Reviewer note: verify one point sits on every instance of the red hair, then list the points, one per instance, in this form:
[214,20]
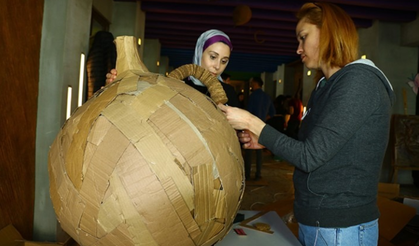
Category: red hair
[338,44]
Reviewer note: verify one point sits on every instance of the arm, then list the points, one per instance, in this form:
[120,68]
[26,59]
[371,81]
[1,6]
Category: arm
[329,126]
[249,125]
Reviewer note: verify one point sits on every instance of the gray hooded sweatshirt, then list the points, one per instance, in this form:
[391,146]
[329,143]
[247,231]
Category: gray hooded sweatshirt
[342,142]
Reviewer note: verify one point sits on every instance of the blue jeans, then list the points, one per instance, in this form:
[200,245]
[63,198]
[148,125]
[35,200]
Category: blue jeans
[365,234]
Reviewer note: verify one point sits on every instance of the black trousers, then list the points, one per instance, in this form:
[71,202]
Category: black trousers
[248,153]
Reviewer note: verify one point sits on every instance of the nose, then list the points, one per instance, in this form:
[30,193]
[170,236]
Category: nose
[299,49]
[217,65]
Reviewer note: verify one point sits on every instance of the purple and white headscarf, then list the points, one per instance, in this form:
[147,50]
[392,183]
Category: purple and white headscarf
[206,39]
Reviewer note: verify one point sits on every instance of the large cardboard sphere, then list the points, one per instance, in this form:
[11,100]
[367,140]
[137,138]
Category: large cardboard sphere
[147,161]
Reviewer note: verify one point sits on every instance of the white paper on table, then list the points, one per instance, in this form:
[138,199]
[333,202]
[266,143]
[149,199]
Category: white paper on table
[282,234]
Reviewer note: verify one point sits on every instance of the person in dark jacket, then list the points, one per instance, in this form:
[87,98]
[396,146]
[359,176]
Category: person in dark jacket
[100,59]
[261,105]
[342,138]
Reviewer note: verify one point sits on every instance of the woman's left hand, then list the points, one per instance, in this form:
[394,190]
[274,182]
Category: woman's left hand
[241,119]
[238,118]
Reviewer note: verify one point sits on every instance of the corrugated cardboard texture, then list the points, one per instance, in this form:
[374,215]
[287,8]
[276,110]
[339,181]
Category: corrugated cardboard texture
[147,161]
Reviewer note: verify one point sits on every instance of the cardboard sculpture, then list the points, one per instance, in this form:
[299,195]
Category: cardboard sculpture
[146,161]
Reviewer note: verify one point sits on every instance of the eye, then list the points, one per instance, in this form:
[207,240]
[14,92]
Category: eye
[224,61]
[212,57]
[302,37]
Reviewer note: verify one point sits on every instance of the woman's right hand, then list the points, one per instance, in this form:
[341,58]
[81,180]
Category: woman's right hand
[111,76]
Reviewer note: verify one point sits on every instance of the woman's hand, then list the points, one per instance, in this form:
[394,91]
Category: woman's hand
[249,125]
[249,140]
[238,118]
[111,76]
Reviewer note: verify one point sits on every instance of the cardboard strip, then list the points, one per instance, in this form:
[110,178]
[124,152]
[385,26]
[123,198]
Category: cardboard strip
[207,228]
[179,159]
[181,207]
[96,180]
[227,154]
[128,83]
[226,148]
[179,129]
[220,200]
[99,130]
[217,228]
[124,170]
[125,119]
[74,159]
[70,213]
[118,236]
[146,141]
[204,200]
[163,165]
[152,99]
[151,202]
[109,216]
[102,165]
[88,219]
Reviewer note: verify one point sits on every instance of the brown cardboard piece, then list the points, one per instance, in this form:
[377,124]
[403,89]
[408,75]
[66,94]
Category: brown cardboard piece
[394,217]
[388,190]
[10,236]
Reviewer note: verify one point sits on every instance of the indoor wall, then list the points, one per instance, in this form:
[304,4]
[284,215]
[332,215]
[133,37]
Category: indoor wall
[65,36]
[20,36]
[398,62]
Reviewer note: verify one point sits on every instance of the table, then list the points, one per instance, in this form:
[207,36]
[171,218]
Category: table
[282,234]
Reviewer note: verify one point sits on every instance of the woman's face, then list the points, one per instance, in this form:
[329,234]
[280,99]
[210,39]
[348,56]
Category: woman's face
[308,36]
[215,58]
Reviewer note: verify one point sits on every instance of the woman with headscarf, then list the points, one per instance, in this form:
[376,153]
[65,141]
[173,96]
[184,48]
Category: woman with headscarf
[212,52]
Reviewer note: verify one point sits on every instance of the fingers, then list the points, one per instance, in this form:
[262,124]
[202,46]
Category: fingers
[222,107]
[243,134]
[111,76]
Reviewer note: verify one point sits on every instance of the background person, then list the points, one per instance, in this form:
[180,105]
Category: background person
[343,136]
[101,58]
[261,105]
[295,109]
[226,78]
